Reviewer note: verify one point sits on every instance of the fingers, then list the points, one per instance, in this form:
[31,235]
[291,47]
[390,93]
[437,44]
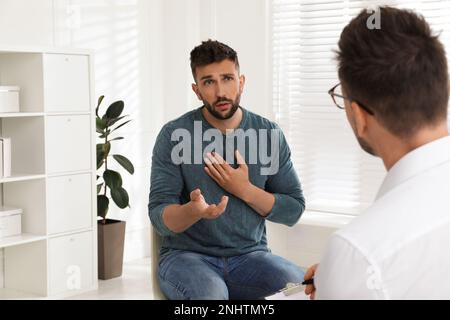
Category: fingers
[310,272]
[240,160]
[219,163]
[214,211]
[309,289]
[195,194]
[213,176]
[222,162]
[223,204]
[211,210]
[220,208]
[211,170]
[217,157]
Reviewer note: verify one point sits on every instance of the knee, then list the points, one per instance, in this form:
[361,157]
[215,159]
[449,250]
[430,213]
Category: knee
[286,272]
[204,289]
[292,273]
[209,289]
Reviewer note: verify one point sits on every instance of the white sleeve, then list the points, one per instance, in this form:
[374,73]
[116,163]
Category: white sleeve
[345,273]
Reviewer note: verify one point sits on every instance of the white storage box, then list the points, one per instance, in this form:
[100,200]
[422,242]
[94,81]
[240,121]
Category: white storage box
[10,222]
[5,157]
[9,99]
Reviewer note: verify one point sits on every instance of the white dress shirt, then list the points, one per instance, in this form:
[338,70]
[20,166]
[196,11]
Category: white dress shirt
[399,247]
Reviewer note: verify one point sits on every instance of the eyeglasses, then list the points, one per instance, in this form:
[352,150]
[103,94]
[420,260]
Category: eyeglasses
[338,99]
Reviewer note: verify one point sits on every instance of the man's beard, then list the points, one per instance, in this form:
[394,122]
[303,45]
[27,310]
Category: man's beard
[231,112]
[363,144]
[366,147]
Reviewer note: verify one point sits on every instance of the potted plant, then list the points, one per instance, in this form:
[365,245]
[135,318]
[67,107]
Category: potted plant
[111,233]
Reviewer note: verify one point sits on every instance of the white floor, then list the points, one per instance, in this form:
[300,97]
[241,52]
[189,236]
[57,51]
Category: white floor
[135,284]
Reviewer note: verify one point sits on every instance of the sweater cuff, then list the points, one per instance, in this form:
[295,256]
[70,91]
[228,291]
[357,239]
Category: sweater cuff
[286,210]
[158,223]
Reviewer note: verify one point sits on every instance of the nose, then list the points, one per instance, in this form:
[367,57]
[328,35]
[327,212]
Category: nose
[219,91]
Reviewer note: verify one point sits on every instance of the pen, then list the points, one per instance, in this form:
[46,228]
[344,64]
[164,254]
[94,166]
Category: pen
[308,282]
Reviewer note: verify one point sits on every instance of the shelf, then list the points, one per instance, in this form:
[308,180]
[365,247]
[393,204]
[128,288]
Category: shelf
[19,240]
[14,49]
[68,113]
[21,114]
[53,170]
[22,177]
[68,173]
[69,233]
[10,294]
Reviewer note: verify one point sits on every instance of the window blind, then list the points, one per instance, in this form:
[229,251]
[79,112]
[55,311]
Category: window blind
[337,176]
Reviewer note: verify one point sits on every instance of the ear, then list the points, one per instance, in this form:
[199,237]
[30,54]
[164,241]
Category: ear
[196,91]
[360,117]
[241,83]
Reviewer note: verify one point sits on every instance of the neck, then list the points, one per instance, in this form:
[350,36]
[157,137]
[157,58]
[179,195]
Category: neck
[224,125]
[396,148]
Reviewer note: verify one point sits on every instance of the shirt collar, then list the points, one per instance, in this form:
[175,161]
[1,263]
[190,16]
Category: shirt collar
[413,163]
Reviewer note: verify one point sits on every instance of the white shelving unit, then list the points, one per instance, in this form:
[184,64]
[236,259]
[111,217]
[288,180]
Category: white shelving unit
[54,174]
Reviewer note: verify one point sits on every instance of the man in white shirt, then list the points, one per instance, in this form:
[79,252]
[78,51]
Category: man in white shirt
[394,84]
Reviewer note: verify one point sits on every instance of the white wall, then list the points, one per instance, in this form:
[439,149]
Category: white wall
[244,26]
[125,36]
[2,284]
[240,24]
[142,57]
[25,22]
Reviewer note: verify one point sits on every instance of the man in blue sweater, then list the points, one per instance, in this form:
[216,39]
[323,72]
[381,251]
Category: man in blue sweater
[218,173]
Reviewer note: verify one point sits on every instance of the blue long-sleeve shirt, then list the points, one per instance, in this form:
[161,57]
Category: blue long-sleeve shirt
[240,229]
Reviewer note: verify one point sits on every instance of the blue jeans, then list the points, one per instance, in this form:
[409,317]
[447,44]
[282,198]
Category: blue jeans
[185,275]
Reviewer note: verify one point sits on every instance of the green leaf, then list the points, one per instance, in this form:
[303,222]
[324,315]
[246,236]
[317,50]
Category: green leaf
[102,206]
[115,110]
[120,197]
[121,125]
[98,104]
[124,162]
[100,163]
[118,138]
[101,124]
[114,121]
[100,153]
[106,149]
[105,134]
[103,150]
[99,187]
[112,179]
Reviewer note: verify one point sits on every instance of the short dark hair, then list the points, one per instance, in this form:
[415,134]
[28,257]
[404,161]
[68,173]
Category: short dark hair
[210,52]
[399,71]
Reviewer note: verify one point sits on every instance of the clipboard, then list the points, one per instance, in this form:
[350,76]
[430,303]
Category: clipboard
[292,291]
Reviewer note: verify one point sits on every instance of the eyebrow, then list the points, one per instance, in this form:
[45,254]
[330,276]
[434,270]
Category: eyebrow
[222,75]
[205,77]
